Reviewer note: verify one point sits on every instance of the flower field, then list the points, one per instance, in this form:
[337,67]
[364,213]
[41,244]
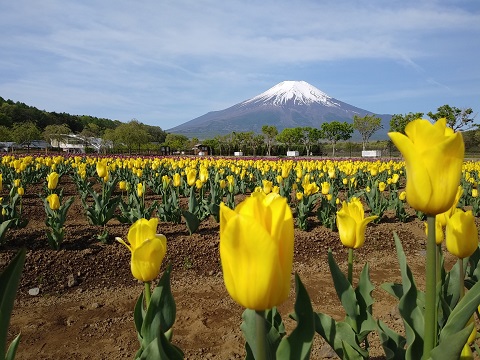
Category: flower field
[77,293]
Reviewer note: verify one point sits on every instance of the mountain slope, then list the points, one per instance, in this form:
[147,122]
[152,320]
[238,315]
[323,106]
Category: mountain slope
[286,105]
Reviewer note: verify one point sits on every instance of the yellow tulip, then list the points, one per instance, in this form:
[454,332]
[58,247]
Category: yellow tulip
[325,188]
[331,174]
[310,189]
[53,201]
[21,191]
[177,179]
[381,186]
[1,182]
[256,250]
[438,231]
[352,224]
[198,184]
[442,218]
[101,169]
[222,184]
[461,236]
[433,155]
[140,190]
[52,180]
[166,181]
[16,182]
[122,185]
[147,247]
[474,193]
[402,196]
[191,177]
[299,195]
[395,178]
[267,186]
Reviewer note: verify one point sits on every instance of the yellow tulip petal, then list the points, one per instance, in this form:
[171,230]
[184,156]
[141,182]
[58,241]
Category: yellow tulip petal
[148,257]
[141,230]
[346,229]
[250,264]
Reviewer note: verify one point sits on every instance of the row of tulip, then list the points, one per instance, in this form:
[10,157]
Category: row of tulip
[257,269]
[115,187]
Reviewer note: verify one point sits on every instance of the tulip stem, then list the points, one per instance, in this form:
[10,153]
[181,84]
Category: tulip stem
[461,280]
[147,293]
[430,296]
[350,266]
[260,335]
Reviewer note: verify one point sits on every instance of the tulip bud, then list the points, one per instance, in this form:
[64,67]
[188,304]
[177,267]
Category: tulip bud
[177,179]
[53,201]
[256,250]
[101,169]
[461,234]
[122,185]
[52,180]
[148,249]
[434,157]
[352,224]
[20,191]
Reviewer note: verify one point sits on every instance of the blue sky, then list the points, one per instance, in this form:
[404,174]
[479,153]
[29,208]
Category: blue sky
[168,62]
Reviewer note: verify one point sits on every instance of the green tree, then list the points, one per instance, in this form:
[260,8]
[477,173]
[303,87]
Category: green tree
[5,133]
[457,119]
[55,132]
[270,132]
[156,133]
[366,125]
[290,137]
[310,137]
[214,145]
[132,134]
[398,122]
[256,142]
[25,133]
[177,142]
[336,131]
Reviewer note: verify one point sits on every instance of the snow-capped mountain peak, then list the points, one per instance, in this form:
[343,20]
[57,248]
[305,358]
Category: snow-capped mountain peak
[298,92]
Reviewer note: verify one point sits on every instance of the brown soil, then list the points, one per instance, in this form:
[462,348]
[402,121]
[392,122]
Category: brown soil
[84,309]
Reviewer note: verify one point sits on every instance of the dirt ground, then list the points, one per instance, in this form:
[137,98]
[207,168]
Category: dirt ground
[86,293]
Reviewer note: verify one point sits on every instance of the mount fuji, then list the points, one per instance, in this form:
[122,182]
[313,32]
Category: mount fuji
[288,104]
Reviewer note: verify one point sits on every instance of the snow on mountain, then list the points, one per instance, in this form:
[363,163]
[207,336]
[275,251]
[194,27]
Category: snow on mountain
[298,92]
[288,104]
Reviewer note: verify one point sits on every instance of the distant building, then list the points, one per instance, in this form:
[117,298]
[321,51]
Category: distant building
[202,150]
[72,143]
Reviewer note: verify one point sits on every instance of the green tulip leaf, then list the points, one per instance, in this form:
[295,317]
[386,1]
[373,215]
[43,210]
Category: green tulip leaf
[344,289]
[160,349]
[161,312]
[364,321]
[9,281]
[337,334]
[393,289]
[393,344]
[298,345]
[410,306]
[274,329]
[452,348]
[461,313]
[191,220]
[4,226]
[139,314]
[12,349]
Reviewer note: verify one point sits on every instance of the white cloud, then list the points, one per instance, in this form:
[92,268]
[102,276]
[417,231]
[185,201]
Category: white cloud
[134,56]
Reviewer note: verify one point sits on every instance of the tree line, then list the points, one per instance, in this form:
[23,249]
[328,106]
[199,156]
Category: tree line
[23,124]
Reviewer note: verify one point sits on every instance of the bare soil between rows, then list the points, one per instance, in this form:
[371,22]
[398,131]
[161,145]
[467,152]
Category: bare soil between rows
[84,308]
